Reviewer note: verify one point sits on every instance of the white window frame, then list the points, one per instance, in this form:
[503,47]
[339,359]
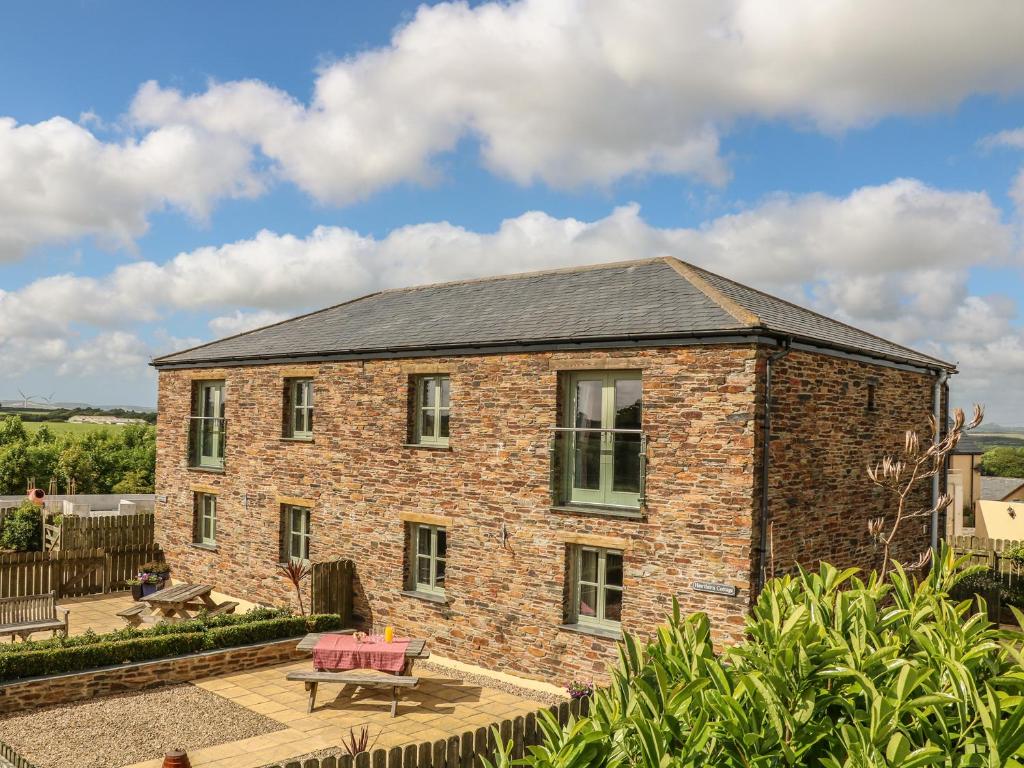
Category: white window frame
[434,438]
[300,407]
[302,533]
[433,557]
[602,587]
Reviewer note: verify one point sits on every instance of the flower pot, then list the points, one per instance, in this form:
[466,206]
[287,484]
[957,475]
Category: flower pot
[149,589]
[136,592]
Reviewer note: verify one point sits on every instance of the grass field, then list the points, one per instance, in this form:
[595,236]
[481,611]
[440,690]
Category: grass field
[64,427]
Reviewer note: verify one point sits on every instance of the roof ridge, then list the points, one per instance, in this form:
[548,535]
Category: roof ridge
[264,327]
[773,297]
[532,273]
[735,309]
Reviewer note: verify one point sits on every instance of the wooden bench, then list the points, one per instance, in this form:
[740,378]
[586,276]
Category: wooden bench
[136,614]
[21,616]
[367,680]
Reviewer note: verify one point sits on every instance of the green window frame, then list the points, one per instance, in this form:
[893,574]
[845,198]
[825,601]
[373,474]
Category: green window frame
[300,409]
[597,587]
[295,531]
[428,557]
[432,408]
[600,467]
[206,519]
[208,425]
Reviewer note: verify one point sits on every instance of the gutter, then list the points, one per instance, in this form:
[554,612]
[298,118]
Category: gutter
[760,576]
[940,382]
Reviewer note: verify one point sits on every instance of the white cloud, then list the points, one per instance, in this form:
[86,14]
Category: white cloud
[1013,139]
[59,182]
[558,91]
[893,259]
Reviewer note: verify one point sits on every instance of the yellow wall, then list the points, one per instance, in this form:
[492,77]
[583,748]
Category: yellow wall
[995,522]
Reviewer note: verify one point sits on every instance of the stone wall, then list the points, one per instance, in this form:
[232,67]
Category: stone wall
[31,693]
[504,598]
[824,439]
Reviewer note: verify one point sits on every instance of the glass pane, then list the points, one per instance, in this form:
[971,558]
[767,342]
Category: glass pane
[423,570]
[207,532]
[586,469]
[588,600]
[309,419]
[445,391]
[628,403]
[439,575]
[442,542]
[588,403]
[298,394]
[209,402]
[305,547]
[444,423]
[213,527]
[296,519]
[423,538]
[300,421]
[296,546]
[613,605]
[588,565]
[427,424]
[613,569]
[626,463]
[429,392]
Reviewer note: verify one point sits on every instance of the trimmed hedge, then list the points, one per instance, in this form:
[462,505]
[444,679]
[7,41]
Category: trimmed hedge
[89,651]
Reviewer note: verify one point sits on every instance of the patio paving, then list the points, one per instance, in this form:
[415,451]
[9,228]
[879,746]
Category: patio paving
[440,706]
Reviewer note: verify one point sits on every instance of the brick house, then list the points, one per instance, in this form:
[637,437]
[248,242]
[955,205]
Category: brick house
[522,466]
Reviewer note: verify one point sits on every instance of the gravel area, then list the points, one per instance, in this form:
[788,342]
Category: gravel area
[126,729]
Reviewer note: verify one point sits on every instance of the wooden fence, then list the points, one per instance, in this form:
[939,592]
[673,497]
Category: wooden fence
[465,751]
[72,573]
[332,588]
[13,758]
[989,552]
[107,532]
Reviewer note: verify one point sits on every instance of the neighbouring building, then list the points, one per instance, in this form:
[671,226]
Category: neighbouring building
[521,467]
[964,483]
[1001,509]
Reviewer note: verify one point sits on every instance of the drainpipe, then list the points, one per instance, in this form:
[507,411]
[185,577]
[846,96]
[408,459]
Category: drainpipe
[940,381]
[762,549]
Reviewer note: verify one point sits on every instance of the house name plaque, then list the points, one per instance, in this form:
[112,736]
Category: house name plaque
[714,589]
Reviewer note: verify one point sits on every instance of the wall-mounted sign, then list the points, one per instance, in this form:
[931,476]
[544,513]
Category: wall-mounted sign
[715,589]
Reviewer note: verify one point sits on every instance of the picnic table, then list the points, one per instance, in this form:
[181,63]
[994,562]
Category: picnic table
[174,604]
[416,649]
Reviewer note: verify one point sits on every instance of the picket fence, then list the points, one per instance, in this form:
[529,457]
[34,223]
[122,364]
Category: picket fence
[72,572]
[13,758]
[989,552]
[107,532]
[467,750]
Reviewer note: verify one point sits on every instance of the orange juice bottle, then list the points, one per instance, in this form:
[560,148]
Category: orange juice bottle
[389,633]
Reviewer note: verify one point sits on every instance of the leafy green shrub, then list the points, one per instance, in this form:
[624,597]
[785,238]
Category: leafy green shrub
[23,529]
[89,650]
[836,673]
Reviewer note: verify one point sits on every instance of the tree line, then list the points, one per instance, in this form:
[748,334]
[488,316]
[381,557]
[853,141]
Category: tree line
[1003,461]
[115,460]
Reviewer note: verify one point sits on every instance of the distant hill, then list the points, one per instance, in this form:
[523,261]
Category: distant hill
[16,404]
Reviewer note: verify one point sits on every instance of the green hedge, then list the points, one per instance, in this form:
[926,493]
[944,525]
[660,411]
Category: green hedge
[89,651]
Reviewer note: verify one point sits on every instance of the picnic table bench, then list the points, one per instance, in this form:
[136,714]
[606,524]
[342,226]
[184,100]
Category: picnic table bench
[21,616]
[416,650]
[177,603]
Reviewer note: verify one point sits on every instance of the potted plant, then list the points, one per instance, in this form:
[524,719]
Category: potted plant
[149,583]
[578,689]
[159,569]
[135,585]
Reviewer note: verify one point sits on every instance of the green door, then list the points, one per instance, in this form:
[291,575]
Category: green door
[604,466]
[211,424]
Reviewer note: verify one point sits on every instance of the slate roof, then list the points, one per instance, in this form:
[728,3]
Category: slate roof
[998,488]
[660,298]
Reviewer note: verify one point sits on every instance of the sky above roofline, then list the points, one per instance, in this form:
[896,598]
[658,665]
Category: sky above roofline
[859,158]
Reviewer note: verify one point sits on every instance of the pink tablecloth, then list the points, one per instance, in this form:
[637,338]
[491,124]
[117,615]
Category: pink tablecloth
[336,653]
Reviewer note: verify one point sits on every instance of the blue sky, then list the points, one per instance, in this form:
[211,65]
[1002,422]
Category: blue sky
[872,181]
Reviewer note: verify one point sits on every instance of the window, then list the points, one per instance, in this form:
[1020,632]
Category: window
[602,446]
[299,408]
[208,425]
[295,533]
[429,553]
[596,587]
[206,519]
[431,410]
